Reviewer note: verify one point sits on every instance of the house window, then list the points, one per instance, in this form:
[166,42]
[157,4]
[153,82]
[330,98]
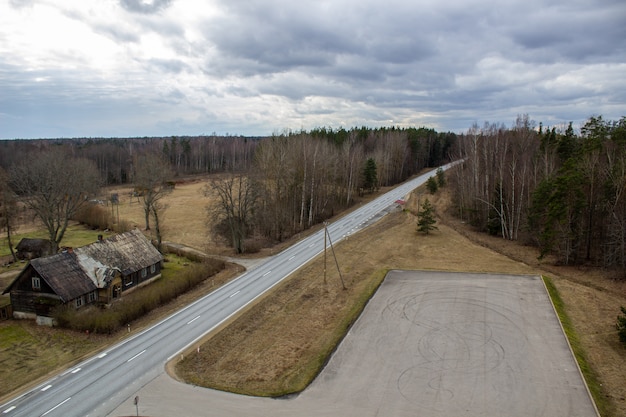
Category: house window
[36,283]
[79,302]
[128,280]
[144,272]
[152,268]
[92,296]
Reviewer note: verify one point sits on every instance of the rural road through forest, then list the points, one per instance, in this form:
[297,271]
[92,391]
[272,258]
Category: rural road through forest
[98,385]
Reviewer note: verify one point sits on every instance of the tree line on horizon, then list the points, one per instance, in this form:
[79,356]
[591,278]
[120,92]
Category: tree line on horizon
[297,179]
[559,189]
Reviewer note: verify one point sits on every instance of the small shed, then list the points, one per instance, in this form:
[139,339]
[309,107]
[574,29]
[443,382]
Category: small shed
[29,248]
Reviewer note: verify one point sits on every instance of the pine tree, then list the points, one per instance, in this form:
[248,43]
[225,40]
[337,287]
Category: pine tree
[432,186]
[621,325]
[441,177]
[426,218]
[370,175]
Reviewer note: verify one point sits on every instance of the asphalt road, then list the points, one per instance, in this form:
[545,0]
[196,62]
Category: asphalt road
[432,344]
[98,385]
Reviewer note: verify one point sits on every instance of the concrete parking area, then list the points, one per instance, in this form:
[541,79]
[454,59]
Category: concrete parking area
[428,344]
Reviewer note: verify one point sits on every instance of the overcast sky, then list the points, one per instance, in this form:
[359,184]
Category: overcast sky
[102,68]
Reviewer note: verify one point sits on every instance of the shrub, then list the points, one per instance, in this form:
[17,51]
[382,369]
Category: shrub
[94,216]
[99,217]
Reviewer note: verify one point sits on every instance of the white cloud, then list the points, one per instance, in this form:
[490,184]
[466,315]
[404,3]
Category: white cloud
[160,67]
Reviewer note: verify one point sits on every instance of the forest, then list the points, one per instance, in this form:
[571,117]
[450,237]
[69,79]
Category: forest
[562,190]
[269,187]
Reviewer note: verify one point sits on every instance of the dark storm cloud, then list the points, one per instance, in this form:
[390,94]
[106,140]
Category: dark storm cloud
[245,65]
[575,35]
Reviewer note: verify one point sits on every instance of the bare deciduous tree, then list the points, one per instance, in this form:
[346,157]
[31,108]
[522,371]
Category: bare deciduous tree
[152,174]
[233,199]
[55,186]
[8,206]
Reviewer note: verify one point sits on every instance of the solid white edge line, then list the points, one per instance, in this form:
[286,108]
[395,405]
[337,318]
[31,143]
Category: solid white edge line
[56,406]
[137,355]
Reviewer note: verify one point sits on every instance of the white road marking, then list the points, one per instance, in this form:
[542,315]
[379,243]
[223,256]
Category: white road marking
[56,406]
[46,388]
[76,370]
[102,355]
[234,294]
[137,355]
[193,319]
[267,273]
[8,410]
[291,257]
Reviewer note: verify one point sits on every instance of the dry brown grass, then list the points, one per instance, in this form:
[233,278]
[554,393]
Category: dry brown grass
[278,342]
[268,343]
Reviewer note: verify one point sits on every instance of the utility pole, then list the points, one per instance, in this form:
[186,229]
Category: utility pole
[343,284]
[325,233]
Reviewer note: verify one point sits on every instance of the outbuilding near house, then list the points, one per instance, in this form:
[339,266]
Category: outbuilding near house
[92,274]
[29,248]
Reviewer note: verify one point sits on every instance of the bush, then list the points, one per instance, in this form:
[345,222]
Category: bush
[94,216]
[99,217]
[621,325]
[138,303]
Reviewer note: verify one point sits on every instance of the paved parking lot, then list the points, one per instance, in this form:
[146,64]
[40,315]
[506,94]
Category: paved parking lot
[428,344]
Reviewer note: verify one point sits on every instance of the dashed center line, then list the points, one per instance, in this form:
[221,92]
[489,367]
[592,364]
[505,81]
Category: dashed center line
[291,257]
[193,319]
[267,273]
[76,370]
[46,388]
[234,294]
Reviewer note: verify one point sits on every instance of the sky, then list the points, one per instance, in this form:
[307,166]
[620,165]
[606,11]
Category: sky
[127,68]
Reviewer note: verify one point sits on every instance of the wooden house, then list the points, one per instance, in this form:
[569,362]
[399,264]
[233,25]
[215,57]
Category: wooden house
[92,274]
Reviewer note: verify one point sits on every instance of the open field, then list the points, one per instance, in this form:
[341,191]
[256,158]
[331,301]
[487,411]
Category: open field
[266,352]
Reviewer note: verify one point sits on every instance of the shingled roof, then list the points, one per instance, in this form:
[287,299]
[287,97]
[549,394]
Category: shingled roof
[85,269]
[129,252]
[64,275]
